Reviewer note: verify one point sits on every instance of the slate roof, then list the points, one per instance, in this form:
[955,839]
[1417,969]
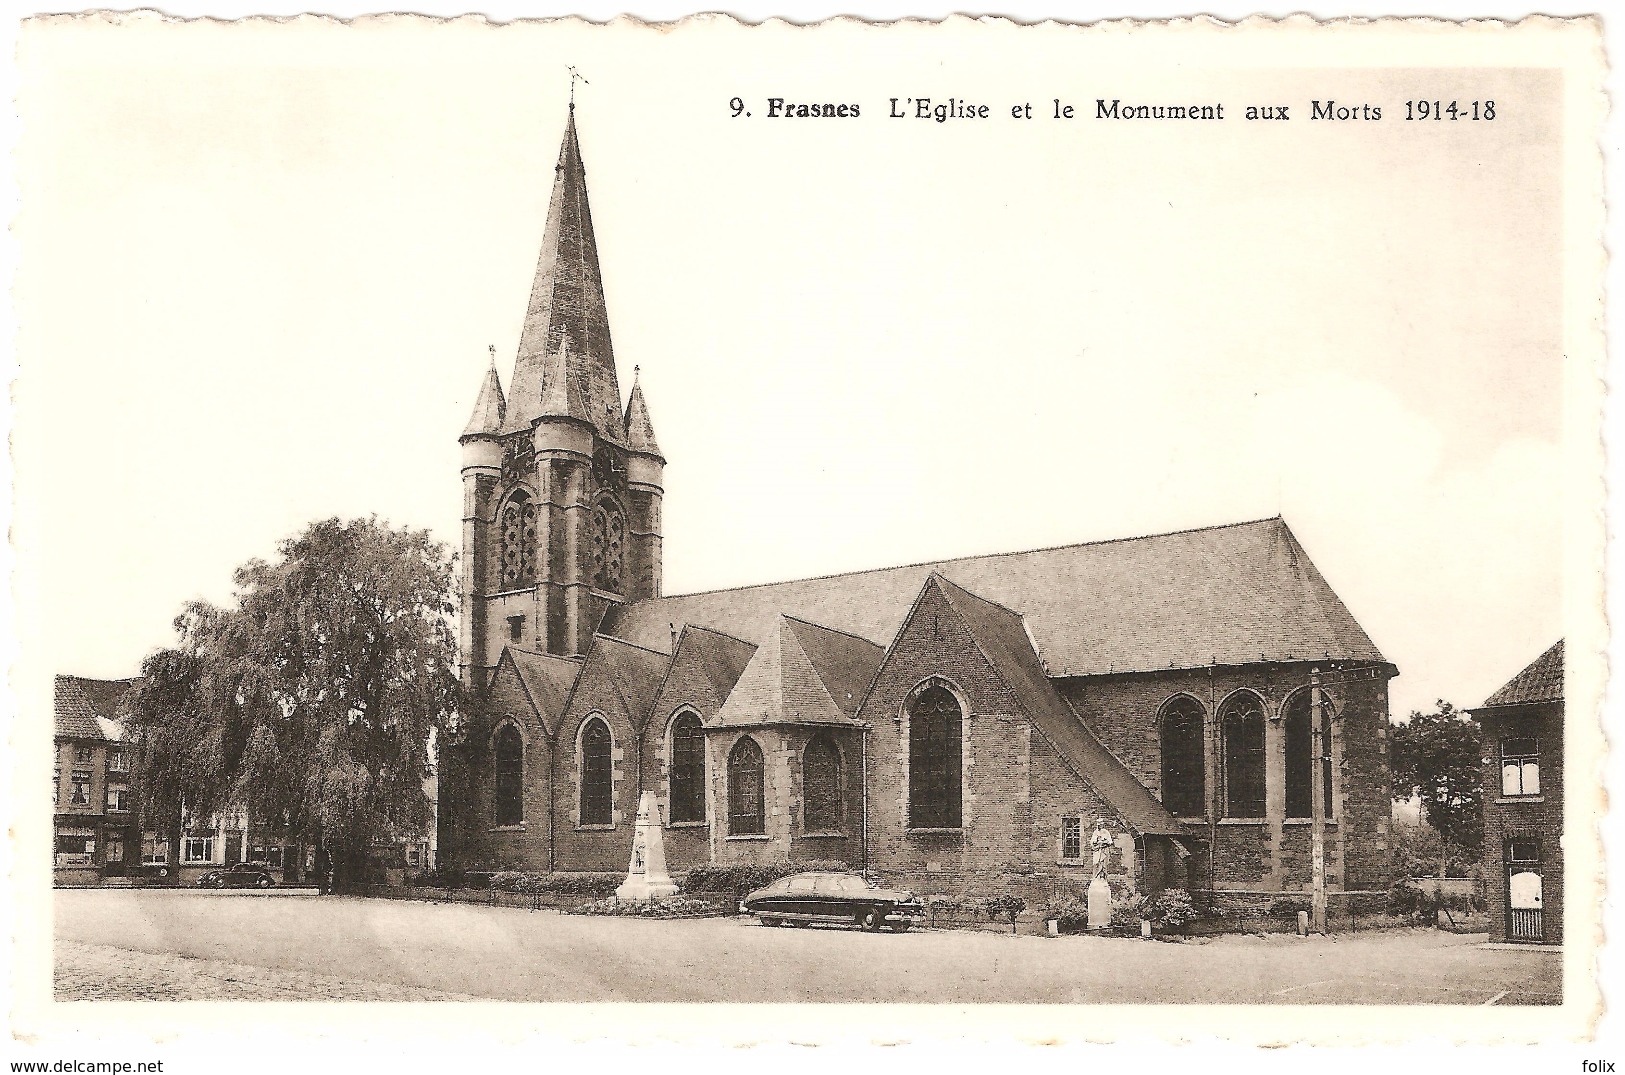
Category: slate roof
[490,407]
[1002,638]
[547,679]
[564,348]
[722,657]
[1235,594]
[1542,681]
[634,672]
[640,431]
[89,708]
[803,674]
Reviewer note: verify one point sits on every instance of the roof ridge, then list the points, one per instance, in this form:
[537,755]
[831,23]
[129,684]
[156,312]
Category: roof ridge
[831,630]
[963,559]
[714,631]
[543,653]
[634,645]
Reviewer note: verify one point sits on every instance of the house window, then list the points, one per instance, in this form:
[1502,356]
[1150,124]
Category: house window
[821,785]
[118,798]
[1242,724]
[154,851]
[81,789]
[115,849]
[83,755]
[1301,764]
[273,857]
[509,751]
[75,847]
[516,628]
[1520,766]
[1184,776]
[934,754]
[1523,850]
[118,762]
[414,857]
[597,774]
[518,542]
[196,849]
[687,774]
[1072,837]
[746,816]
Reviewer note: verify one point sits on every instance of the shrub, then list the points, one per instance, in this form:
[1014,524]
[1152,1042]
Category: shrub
[1007,906]
[582,884]
[670,907]
[1070,909]
[945,908]
[1170,909]
[439,877]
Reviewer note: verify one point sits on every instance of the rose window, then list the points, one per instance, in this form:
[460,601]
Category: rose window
[607,547]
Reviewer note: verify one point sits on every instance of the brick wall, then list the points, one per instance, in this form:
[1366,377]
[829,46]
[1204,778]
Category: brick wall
[525,845]
[1539,818]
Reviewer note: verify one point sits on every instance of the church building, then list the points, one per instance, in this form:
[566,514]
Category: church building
[940,725]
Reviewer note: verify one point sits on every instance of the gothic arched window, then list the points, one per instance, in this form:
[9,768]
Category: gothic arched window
[821,785]
[509,751]
[746,816]
[935,749]
[1300,759]
[597,774]
[1242,727]
[686,777]
[1184,769]
[517,524]
[606,548]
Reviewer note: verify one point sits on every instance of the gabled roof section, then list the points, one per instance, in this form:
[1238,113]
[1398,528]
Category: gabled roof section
[634,672]
[802,674]
[490,407]
[1002,639]
[640,432]
[1236,594]
[1542,681]
[722,658]
[547,680]
[89,708]
[567,319]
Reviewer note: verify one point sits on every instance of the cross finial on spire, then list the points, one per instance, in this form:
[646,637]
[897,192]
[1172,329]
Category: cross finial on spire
[491,347]
[574,75]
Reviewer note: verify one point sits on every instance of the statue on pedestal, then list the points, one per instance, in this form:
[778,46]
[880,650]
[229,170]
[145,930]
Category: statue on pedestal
[1101,843]
[646,877]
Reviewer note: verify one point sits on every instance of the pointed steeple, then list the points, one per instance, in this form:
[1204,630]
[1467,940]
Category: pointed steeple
[640,432]
[567,322]
[490,408]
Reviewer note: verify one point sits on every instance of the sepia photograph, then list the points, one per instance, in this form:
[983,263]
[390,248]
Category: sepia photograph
[1026,521]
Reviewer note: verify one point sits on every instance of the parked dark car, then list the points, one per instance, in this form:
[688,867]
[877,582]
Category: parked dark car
[242,875]
[842,898]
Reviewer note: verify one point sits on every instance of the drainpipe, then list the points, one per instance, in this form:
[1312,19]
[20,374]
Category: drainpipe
[863,776]
[552,808]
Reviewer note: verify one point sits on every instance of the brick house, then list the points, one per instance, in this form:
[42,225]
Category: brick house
[95,834]
[945,725]
[1523,802]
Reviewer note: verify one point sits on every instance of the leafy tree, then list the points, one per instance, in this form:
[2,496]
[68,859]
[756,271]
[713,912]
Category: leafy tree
[312,701]
[1436,756]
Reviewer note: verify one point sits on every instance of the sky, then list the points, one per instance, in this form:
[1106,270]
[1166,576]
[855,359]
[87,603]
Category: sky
[259,274]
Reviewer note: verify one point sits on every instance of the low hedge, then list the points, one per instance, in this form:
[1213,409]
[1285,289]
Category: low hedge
[670,907]
[745,876]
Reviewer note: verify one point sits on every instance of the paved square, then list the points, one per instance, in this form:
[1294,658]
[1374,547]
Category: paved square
[161,945]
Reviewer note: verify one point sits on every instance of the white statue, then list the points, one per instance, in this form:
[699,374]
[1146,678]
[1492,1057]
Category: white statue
[1101,843]
[646,877]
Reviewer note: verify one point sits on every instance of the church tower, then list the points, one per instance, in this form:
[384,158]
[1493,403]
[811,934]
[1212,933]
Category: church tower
[561,485]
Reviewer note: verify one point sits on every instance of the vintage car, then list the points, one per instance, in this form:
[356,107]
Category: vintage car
[242,875]
[842,898]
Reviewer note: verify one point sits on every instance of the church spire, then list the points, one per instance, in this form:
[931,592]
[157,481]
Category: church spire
[640,432]
[567,323]
[490,408]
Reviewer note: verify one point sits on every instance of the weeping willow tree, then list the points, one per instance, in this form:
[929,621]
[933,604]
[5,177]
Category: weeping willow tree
[313,700]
